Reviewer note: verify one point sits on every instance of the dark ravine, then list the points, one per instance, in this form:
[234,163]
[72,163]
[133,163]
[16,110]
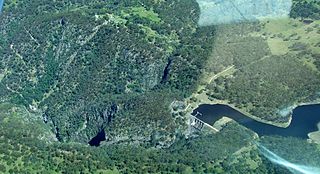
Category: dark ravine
[95,141]
[304,120]
[166,71]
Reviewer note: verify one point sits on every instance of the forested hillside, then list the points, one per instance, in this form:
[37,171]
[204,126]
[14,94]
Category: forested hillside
[93,65]
[25,147]
[269,66]
[71,69]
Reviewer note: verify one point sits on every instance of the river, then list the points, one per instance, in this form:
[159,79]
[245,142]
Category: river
[304,120]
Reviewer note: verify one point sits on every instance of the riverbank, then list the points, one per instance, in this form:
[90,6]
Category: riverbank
[200,97]
[304,120]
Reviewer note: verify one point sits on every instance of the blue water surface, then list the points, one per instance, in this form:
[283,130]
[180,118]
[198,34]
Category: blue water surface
[304,120]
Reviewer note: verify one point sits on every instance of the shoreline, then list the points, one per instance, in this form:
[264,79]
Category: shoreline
[312,136]
[196,104]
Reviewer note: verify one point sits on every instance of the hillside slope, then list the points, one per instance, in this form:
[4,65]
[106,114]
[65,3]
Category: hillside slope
[96,65]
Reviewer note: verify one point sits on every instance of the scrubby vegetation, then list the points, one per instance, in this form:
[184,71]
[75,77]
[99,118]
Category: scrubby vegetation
[294,150]
[276,66]
[25,150]
[306,9]
[99,64]
[71,68]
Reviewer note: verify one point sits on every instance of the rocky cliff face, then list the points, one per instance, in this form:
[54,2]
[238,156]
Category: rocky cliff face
[83,63]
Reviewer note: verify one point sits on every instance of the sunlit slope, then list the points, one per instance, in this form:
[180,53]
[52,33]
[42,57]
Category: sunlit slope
[215,12]
[275,66]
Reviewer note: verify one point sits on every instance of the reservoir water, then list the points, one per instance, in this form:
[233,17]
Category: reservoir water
[304,120]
